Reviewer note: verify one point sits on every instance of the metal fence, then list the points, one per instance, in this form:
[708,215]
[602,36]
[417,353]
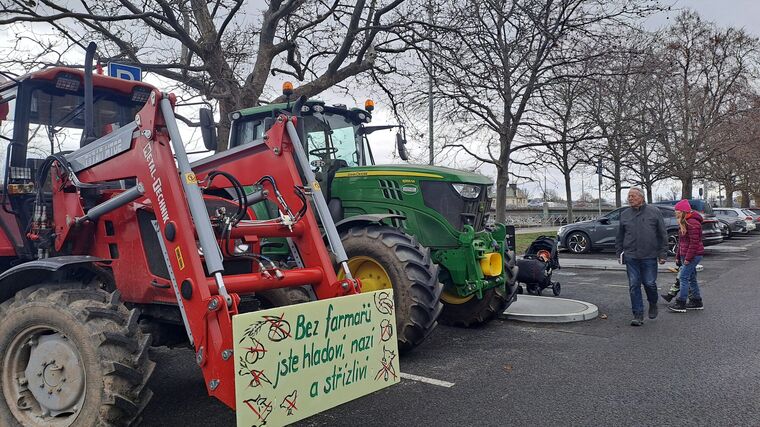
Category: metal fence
[553,217]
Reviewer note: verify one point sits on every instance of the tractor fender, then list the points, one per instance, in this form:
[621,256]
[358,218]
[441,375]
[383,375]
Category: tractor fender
[30,273]
[365,219]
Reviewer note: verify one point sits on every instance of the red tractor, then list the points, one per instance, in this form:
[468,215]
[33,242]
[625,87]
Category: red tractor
[120,244]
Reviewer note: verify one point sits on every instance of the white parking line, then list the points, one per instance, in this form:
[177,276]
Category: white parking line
[427,380]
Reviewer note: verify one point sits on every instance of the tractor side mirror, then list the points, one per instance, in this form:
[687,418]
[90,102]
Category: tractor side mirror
[401,147]
[208,129]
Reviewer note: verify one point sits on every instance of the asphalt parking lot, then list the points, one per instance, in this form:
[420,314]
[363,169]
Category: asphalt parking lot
[699,368]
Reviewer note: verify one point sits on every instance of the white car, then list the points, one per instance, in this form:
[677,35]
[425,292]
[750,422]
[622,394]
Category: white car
[735,213]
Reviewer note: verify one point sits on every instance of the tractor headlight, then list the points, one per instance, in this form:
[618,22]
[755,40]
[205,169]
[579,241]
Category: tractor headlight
[468,191]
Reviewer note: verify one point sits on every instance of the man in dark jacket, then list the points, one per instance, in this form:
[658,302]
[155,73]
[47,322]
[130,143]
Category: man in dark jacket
[641,243]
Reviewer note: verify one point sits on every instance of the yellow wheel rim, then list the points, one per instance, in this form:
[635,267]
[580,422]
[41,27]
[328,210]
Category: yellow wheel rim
[371,274]
[452,298]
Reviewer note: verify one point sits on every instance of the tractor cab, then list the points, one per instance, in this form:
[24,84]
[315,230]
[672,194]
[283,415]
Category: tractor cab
[334,137]
[43,114]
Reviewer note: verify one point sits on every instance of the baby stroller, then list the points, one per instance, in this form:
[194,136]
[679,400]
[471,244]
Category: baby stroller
[536,267]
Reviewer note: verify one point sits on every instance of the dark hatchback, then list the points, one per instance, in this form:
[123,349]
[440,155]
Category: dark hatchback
[712,232]
[599,234]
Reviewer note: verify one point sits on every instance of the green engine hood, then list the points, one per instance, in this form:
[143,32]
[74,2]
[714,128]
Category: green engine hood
[415,171]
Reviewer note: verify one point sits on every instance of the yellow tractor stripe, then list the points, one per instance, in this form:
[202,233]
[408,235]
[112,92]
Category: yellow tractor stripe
[386,173]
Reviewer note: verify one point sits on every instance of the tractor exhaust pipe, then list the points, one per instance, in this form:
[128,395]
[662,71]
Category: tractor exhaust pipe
[89,126]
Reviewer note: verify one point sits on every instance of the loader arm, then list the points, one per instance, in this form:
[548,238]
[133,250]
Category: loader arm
[206,297]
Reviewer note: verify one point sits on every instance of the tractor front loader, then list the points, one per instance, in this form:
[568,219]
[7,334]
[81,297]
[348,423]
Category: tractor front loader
[119,245]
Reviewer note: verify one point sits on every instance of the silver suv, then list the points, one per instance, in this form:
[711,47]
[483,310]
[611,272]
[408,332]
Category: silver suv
[736,218]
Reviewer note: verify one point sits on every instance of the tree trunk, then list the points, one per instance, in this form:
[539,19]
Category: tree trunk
[569,198]
[502,179]
[618,187]
[226,106]
[745,199]
[687,186]
[729,196]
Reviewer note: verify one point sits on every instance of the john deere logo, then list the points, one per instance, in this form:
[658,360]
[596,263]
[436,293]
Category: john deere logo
[409,189]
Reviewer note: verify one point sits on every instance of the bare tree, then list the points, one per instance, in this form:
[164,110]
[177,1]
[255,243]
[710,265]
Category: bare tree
[710,70]
[224,50]
[614,102]
[495,55]
[561,126]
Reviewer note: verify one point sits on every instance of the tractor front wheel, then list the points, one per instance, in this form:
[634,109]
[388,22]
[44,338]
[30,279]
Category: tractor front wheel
[384,257]
[71,355]
[472,311]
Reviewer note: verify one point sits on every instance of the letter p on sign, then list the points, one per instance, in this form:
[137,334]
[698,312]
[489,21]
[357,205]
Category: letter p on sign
[126,72]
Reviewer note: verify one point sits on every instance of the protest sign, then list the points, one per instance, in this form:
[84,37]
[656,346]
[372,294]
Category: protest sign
[295,361]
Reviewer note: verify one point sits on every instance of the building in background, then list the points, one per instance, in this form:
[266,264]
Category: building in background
[516,197]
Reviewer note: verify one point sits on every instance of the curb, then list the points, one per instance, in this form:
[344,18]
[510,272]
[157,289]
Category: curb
[617,267]
[537,309]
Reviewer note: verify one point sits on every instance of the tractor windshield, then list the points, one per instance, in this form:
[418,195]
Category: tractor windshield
[45,119]
[331,137]
[56,119]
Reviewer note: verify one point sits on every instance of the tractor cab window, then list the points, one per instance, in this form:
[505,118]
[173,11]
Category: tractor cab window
[56,119]
[7,111]
[331,137]
[249,131]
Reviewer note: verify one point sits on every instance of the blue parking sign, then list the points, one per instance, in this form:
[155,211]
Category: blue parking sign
[126,72]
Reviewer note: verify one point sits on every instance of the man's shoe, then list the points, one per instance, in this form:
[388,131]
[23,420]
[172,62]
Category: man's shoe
[667,297]
[653,311]
[694,304]
[638,320]
[677,306]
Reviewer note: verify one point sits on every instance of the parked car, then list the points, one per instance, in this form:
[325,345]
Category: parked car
[736,216]
[732,226]
[712,234]
[725,230]
[599,234]
[753,216]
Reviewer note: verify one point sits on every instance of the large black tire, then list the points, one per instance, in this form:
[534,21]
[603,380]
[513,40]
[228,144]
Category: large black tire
[476,311]
[97,343]
[410,270]
[512,270]
[282,297]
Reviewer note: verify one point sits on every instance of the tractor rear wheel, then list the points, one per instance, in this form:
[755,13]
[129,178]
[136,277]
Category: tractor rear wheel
[71,355]
[384,257]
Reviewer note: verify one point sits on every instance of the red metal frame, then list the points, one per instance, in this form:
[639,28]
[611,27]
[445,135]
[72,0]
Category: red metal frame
[151,162]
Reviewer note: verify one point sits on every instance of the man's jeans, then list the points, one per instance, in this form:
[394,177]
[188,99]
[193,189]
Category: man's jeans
[688,278]
[642,271]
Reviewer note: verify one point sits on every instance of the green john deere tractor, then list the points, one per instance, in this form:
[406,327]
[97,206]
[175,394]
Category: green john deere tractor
[421,230]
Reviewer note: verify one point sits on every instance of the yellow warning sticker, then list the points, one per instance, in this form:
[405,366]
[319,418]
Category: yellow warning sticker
[180,260]
[190,178]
